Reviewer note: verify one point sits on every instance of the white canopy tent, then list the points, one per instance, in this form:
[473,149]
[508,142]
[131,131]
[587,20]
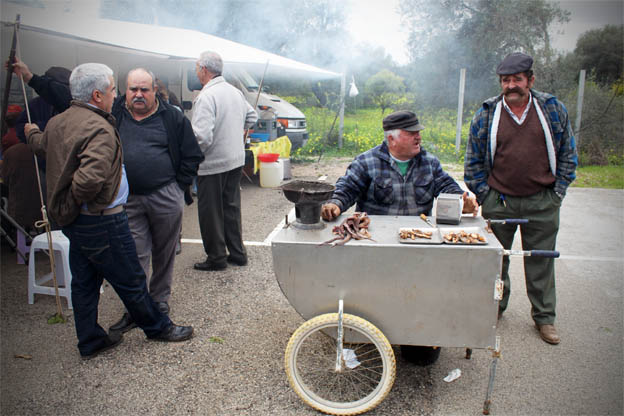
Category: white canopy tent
[166,42]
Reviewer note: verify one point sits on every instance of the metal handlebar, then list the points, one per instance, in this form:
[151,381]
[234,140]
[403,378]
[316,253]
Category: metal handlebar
[528,253]
[509,221]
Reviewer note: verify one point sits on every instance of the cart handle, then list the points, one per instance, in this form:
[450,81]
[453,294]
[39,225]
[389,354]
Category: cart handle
[509,221]
[537,253]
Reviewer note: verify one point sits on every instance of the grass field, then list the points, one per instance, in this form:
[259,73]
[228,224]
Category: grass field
[611,177]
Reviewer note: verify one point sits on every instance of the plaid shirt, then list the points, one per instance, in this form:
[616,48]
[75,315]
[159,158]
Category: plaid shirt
[374,182]
[478,161]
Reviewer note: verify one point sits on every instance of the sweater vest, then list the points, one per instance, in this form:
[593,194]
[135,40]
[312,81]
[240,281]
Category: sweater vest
[521,160]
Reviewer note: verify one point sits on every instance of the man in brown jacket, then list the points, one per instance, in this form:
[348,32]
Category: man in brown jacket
[87,188]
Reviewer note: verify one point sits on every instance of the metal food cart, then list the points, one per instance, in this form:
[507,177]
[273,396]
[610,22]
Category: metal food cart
[420,292]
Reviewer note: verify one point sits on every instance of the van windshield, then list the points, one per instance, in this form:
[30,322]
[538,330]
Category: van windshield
[243,78]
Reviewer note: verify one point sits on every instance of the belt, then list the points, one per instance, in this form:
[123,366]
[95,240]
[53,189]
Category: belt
[107,211]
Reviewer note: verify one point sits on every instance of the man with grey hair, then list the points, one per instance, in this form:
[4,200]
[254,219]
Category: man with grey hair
[87,188]
[161,157]
[220,116]
[397,177]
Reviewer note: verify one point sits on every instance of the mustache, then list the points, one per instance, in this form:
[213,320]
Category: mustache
[139,100]
[512,90]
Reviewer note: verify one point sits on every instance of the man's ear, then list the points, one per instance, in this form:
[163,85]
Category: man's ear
[531,81]
[96,96]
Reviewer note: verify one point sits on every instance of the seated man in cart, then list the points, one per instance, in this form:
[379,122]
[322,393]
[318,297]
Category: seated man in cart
[397,177]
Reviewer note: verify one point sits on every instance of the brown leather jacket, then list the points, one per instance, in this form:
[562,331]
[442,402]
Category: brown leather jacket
[83,160]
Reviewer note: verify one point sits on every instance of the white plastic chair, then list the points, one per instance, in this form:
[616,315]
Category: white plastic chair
[60,245]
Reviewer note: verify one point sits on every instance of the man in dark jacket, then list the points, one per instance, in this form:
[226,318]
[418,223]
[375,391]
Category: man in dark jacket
[161,158]
[520,159]
[87,189]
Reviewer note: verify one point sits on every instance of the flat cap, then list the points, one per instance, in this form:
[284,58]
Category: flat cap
[403,120]
[514,63]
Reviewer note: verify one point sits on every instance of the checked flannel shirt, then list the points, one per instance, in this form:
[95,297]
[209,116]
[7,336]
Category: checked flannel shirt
[478,161]
[374,182]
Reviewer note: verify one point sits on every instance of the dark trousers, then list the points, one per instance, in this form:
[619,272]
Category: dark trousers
[542,211]
[219,211]
[101,247]
[155,221]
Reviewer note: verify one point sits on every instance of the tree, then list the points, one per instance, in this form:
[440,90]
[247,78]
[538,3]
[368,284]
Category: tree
[479,33]
[386,89]
[601,51]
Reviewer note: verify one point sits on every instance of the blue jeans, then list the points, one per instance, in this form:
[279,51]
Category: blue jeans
[101,247]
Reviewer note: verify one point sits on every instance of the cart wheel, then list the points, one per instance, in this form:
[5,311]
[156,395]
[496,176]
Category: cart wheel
[420,355]
[368,365]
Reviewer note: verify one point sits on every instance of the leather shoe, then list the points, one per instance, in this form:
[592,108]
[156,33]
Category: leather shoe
[111,341]
[175,333]
[163,307]
[209,266]
[548,333]
[239,261]
[125,324]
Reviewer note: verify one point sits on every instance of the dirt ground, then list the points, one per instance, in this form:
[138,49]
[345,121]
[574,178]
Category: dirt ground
[232,366]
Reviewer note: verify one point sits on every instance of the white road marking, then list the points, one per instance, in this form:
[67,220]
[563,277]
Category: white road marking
[265,243]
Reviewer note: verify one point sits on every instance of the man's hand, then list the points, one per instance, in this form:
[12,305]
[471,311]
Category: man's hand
[470,204]
[20,68]
[330,211]
[28,127]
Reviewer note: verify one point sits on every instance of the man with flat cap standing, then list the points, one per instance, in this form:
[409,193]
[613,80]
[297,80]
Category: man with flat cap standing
[397,177]
[520,159]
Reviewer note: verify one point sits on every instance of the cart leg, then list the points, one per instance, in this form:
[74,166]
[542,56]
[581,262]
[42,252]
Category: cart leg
[488,395]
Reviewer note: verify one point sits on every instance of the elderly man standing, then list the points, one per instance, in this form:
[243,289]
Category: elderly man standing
[87,188]
[161,157]
[398,177]
[220,116]
[520,160]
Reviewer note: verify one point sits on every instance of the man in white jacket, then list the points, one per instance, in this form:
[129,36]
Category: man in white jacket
[220,116]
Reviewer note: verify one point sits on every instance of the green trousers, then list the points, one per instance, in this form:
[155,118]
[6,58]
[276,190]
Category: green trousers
[542,211]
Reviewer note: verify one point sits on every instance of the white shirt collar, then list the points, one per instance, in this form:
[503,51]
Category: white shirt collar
[524,114]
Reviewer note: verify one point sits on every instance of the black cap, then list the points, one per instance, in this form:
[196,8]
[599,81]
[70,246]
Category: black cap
[59,74]
[403,120]
[514,63]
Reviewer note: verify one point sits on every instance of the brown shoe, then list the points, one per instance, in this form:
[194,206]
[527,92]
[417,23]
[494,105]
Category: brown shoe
[548,333]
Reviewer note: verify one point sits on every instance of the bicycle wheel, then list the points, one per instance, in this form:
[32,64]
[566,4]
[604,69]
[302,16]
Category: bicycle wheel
[368,365]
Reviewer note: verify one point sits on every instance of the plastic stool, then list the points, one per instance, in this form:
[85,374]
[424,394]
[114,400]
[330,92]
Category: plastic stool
[60,245]
[22,246]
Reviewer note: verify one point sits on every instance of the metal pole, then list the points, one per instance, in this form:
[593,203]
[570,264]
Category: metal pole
[460,108]
[579,106]
[343,88]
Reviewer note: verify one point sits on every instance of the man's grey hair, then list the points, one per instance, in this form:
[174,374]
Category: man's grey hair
[211,61]
[394,133]
[87,78]
[147,71]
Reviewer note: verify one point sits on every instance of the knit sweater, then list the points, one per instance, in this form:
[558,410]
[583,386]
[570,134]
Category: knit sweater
[220,115]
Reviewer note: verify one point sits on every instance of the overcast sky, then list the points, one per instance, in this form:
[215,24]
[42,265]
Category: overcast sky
[377,23]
